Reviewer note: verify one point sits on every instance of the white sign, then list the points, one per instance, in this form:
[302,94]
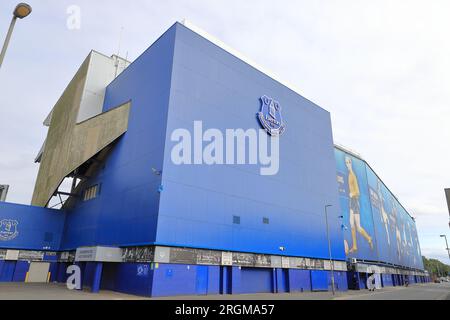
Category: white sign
[227,258]
[99,254]
[12,255]
[285,263]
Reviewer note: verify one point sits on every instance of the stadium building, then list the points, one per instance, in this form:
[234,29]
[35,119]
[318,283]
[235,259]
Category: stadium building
[193,171]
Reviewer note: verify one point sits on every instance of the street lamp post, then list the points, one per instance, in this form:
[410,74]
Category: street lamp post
[21,11]
[446,243]
[329,250]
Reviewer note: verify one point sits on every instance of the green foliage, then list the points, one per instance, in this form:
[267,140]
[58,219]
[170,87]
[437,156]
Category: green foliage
[435,267]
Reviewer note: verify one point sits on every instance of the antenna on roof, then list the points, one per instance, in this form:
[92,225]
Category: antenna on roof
[120,40]
[118,52]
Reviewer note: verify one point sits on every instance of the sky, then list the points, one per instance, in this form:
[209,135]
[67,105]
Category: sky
[381,68]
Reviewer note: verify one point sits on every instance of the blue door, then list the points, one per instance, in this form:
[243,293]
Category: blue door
[319,280]
[201,287]
[7,271]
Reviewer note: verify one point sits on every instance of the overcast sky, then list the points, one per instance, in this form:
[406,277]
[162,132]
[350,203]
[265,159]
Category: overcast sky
[381,68]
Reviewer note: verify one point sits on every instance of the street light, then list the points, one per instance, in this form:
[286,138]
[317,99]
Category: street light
[21,11]
[446,243]
[329,250]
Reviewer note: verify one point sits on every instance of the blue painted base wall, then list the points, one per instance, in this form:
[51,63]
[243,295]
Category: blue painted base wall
[252,280]
[131,278]
[160,280]
[20,271]
[299,280]
[7,271]
[387,280]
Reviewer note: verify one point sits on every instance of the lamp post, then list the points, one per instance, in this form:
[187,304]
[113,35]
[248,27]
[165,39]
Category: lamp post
[446,243]
[21,11]
[447,195]
[329,250]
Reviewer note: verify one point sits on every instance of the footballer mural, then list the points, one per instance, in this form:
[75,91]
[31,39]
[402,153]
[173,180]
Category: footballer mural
[376,226]
[359,240]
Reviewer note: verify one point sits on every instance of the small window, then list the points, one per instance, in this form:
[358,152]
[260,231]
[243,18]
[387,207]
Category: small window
[236,220]
[91,193]
[266,220]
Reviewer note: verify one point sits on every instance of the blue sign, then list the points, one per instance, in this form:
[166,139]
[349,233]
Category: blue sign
[270,116]
[142,270]
[8,230]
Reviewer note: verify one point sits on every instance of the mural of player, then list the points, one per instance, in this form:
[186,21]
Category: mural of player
[395,222]
[355,213]
[384,214]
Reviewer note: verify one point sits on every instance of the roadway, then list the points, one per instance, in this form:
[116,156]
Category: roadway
[24,291]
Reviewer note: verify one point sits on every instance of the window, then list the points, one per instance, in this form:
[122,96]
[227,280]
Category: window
[236,220]
[266,220]
[91,193]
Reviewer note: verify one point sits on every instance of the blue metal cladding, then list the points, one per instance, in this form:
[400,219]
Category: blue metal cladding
[29,227]
[126,211]
[387,280]
[392,229]
[198,202]
[20,271]
[7,270]
[282,280]
[299,280]
[131,278]
[340,280]
[252,280]
[319,280]
[176,279]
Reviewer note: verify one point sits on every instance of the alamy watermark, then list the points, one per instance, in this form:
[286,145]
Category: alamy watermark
[73,21]
[228,147]
[74,280]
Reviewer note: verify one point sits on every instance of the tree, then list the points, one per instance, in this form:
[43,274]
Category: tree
[436,268]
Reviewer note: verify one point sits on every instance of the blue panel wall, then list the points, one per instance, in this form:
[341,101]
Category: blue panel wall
[61,272]
[299,280]
[174,279]
[214,279]
[281,280]
[340,280]
[387,280]
[7,270]
[319,280]
[20,271]
[211,85]
[89,273]
[126,211]
[252,280]
[131,278]
[33,228]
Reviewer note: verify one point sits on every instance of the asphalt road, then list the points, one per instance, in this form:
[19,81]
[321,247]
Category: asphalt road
[430,291]
[22,291]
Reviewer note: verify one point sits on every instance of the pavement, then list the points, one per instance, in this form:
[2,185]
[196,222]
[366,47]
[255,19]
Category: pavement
[25,291]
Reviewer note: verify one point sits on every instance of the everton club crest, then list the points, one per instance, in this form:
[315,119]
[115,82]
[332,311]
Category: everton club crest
[8,230]
[270,116]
